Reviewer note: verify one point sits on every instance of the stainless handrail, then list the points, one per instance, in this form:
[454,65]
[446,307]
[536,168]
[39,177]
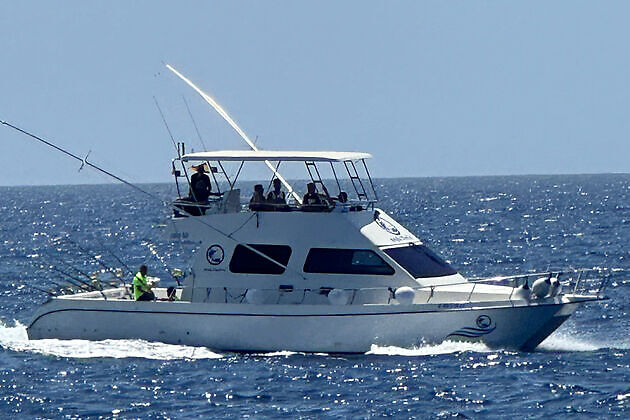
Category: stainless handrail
[576,281]
[586,285]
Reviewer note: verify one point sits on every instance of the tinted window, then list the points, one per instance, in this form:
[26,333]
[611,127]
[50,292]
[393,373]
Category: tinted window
[345,261]
[246,261]
[420,261]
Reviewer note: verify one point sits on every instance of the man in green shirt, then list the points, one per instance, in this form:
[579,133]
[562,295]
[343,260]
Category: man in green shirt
[141,289]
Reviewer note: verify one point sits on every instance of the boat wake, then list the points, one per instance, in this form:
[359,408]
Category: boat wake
[555,343]
[566,342]
[446,347]
[15,339]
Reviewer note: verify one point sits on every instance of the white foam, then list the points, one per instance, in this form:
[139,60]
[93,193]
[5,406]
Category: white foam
[569,343]
[445,347]
[280,353]
[15,338]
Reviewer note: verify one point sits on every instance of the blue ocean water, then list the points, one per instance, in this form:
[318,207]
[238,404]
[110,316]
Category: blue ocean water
[483,225]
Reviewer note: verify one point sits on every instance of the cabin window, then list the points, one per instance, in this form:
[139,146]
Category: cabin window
[420,261]
[249,262]
[346,261]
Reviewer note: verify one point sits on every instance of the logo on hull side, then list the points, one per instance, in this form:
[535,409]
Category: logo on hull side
[484,327]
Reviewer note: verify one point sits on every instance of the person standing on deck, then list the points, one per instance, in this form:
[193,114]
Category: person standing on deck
[200,185]
[141,289]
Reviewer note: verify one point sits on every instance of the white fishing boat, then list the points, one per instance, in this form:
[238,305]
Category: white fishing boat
[336,277]
[334,274]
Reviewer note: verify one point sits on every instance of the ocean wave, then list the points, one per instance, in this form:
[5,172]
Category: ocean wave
[15,338]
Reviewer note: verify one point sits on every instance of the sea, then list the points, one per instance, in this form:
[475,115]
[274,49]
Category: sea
[484,226]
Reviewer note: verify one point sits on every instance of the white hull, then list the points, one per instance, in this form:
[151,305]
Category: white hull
[309,328]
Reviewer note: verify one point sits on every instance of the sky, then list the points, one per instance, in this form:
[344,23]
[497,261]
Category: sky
[429,88]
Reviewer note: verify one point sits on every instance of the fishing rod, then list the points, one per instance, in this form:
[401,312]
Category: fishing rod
[84,162]
[175,146]
[62,288]
[151,248]
[94,258]
[110,252]
[91,287]
[166,125]
[48,292]
[81,284]
[66,286]
[81,272]
[194,123]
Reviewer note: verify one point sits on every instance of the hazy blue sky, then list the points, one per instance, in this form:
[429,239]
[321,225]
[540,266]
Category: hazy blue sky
[429,88]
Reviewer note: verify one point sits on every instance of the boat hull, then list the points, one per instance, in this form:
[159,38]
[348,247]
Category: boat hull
[308,328]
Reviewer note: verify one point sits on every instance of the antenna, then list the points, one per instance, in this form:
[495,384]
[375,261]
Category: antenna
[166,125]
[194,123]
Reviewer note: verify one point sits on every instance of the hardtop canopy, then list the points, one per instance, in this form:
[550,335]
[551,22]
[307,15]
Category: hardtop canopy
[262,155]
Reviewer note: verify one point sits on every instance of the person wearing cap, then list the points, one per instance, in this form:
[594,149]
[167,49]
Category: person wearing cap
[200,185]
[276,196]
[141,289]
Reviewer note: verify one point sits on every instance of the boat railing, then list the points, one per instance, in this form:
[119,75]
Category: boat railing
[584,282]
[184,208]
[587,281]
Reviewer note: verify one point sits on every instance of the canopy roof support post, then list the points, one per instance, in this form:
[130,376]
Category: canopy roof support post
[238,172]
[190,188]
[370,179]
[336,178]
[355,178]
[317,180]
[179,194]
[225,175]
[213,176]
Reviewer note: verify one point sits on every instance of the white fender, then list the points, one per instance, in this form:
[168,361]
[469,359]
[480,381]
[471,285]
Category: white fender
[554,288]
[255,296]
[522,292]
[405,295]
[338,297]
[540,287]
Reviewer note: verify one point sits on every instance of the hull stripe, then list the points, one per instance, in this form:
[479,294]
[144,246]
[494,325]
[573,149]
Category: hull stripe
[559,305]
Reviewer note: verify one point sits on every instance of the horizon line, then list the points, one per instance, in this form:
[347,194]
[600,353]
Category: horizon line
[298,179]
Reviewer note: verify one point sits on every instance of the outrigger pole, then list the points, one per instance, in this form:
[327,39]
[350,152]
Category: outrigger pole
[83,161]
[135,187]
[236,128]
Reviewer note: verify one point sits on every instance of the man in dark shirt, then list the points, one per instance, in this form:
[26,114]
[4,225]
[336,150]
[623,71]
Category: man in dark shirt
[313,201]
[311,198]
[200,185]
[276,197]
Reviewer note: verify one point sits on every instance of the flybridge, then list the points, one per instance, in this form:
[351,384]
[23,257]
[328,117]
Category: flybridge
[363,196]
[351,188]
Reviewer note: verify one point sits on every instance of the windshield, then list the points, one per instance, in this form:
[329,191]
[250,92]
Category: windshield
[420,261]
